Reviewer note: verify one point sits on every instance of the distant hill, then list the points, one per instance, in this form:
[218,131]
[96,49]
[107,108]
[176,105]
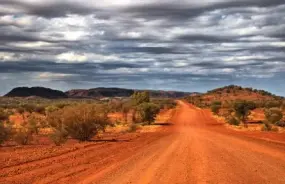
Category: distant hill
[36,91]
[99,93]
[232,93]
[120,92]
[89,93]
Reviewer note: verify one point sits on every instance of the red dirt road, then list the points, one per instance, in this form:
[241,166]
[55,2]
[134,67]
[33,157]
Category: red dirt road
[196,149]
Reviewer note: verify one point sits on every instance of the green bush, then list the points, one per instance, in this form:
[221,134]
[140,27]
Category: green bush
[242,110]
[233,121]
[271,104]
[82,122]
[216,106]
[50,109]
[273,115]
[59,137]
[140,97]
[148,112]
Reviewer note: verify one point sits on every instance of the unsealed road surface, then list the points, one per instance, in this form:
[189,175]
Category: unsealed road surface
[197,152]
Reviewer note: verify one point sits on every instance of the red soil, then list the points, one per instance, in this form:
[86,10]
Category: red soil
[195,149]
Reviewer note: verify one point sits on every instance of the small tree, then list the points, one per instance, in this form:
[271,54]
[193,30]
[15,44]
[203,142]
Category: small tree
[148,112]
[216,106]
[273,115]
[140,97]
[242,110]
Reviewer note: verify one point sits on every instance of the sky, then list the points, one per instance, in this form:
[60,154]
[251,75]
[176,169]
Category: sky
[182,45]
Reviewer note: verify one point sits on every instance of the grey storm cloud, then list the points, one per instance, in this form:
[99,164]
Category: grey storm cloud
[150,44]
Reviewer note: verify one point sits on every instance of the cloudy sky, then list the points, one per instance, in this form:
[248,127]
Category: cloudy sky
[182,45]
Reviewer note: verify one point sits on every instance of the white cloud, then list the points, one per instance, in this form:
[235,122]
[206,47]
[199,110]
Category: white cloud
[72,57]
[49,75]
[131,34]
[34,45]
[7,56]
[84,57]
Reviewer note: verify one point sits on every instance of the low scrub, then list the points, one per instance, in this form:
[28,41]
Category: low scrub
[216,106]
[242,110]
[23,136]
[81,122]
[5,132]
[233,121]
[59,137]
[148,112]
[273,115]
[267,126]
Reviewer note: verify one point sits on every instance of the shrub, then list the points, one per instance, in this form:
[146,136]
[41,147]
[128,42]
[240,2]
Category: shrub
[5,132]
[20,110]
[233,121]
[33,123]
[148,111]
[81,122]
[140,97]
[3,115]
[242,110]
[61,105]
[29,107]
[273,115]
[23,136]
[51,109]
[266,126]
[40,109]
[271,104]
[216,106]
[29,127]
[59,137]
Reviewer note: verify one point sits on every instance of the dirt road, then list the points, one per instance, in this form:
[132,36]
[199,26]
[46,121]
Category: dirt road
[196,149]
[197,152]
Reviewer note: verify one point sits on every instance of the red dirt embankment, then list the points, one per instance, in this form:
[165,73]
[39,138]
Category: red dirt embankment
[195,149]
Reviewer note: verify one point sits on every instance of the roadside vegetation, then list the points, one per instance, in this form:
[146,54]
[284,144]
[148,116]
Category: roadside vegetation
[24,120]
[244,106]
